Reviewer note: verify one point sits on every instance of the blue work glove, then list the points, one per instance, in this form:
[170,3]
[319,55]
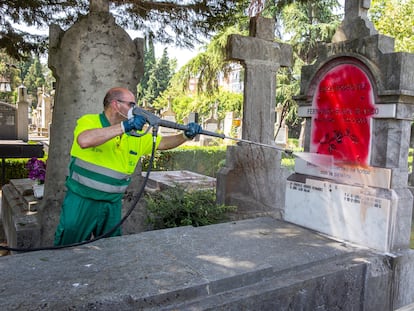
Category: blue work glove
[137,122]
[193,130]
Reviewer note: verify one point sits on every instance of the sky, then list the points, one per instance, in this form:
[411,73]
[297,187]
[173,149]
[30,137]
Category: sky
[181,55]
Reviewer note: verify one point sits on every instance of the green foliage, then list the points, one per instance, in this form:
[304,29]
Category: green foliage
[39,13]
[208,65]
[307,23]
[14,169]
[183,104]
[34,78]
[9,72]
[149,63]
[175,207]
[30,70]
[159,78]
[395,18]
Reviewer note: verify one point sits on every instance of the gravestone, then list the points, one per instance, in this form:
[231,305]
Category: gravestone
[22,114]
[281,129]
[8,124]
[228,123]
[358,101]
[14,121]
[252,173]
[42,114]
[90,57]
[168,115]
[211,124]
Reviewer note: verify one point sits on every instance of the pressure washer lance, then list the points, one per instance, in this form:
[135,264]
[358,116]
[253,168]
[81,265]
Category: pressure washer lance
[155,121]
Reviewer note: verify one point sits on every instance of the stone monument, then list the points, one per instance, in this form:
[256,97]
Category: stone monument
[358,101]
[8,124]
[92,56]
[210,124]
[22,114]
[252,173]
[168,115]
[281,129]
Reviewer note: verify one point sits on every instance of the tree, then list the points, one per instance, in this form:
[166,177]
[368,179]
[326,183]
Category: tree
[396,19]
[34,78]
[183,23]
[307,24]
[37,13]
[149,63]
[159,77]
[9,72]
[207,66]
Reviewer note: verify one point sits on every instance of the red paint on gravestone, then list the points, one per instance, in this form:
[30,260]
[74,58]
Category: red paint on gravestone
[342,110]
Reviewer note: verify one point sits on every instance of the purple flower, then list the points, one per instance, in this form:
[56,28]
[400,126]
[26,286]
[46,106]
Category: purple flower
[36,169]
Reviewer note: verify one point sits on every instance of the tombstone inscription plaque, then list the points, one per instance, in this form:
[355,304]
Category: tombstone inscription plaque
[342,111]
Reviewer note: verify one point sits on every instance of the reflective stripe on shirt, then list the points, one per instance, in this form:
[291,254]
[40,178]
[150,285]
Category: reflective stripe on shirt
[100,170]
[97,185]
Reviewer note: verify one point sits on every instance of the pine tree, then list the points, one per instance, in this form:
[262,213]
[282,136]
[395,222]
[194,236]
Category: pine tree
[159,78]
[149,63]
[34,78]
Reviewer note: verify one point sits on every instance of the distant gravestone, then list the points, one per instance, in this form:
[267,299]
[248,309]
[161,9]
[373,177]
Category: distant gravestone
[281,129]
[14,120]
[168,115]
[22,114]
[211,125]
[42,114]
[8,125]
[228,123]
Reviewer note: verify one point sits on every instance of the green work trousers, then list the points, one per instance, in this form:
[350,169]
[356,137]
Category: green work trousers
[81,218]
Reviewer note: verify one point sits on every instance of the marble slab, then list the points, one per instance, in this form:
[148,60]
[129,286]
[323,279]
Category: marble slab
[324,166]
[360,215]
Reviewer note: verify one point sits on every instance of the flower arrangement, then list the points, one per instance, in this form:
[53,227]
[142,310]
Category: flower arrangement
[37,170]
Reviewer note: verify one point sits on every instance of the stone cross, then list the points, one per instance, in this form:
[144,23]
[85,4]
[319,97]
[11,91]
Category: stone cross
[356,8]
[261,58]
[252,174]
[356,23]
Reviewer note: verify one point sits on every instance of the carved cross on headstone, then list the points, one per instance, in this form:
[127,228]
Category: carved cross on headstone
[261,58]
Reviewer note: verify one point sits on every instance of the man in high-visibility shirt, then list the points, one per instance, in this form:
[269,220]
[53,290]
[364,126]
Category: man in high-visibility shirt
[103,157]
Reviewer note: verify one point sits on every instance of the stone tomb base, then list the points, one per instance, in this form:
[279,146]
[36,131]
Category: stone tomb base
[257,264]
[356,214]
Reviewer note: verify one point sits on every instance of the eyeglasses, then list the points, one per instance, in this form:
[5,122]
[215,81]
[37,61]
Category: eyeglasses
[131,104]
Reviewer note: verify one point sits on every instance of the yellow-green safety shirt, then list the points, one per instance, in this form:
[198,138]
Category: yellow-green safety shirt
[104,172]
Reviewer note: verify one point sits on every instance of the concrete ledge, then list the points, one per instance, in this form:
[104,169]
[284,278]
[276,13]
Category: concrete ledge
[256,264]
